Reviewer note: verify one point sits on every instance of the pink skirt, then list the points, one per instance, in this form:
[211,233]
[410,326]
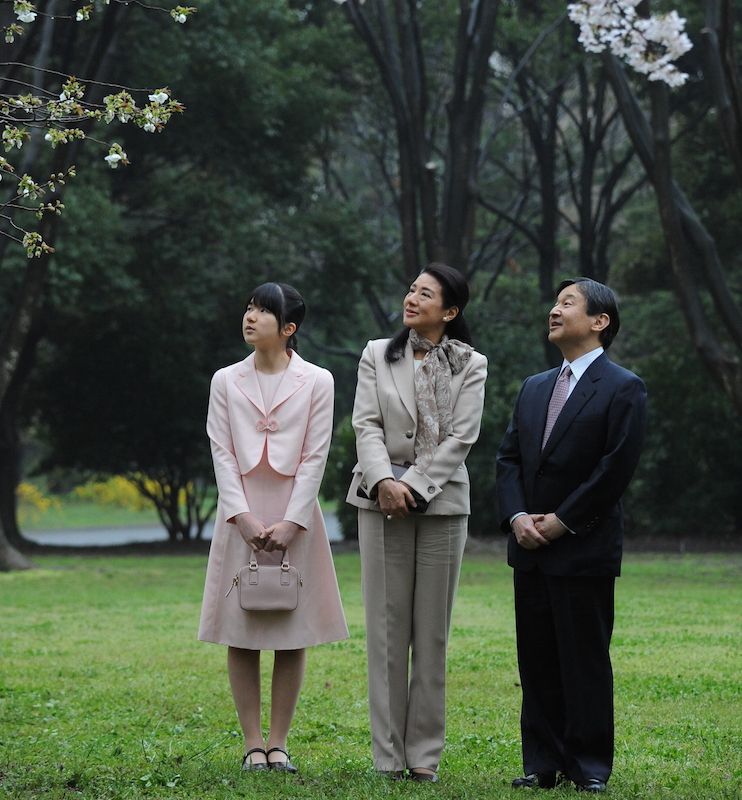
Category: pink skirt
[318,618]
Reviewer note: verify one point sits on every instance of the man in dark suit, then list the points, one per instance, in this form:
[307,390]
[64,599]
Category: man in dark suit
[565,461]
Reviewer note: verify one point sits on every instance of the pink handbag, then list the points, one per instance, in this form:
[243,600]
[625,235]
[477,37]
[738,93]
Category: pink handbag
[267,587]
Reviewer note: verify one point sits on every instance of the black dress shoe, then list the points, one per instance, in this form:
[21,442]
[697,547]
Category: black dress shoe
[536,780]
[592,786]
[280,766]
[429,777]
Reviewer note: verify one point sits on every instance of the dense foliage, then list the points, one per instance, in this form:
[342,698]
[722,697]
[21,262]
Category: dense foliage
[286,166]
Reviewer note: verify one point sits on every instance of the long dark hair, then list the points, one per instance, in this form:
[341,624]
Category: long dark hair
[455,292]
[284,302]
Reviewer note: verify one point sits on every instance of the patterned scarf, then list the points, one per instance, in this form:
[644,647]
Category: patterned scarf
[433,393]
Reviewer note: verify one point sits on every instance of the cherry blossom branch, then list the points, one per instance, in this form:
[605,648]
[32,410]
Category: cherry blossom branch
[648,45]
[65,117]
[27,12]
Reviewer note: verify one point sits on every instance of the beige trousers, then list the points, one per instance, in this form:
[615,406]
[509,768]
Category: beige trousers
[410,571]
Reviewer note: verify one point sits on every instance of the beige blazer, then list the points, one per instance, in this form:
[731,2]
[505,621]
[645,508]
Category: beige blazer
[295,432]
[385,423]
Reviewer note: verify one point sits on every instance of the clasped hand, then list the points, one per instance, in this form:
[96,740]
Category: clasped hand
[537,530]
[395,498]
[259,537]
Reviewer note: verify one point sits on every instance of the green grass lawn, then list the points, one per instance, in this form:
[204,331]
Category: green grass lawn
[81,515]
[72,514]
[105,693]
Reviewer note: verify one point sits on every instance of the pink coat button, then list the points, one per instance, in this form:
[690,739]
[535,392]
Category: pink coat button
[269,425]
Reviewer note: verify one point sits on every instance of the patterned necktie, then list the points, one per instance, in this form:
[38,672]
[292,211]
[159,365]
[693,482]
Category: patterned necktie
[556,404]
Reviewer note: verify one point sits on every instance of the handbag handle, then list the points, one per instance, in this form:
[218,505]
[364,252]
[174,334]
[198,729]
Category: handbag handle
[253,563]
[254,567]
[285,579]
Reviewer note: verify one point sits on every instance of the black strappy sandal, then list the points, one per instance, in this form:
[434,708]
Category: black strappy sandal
[250,765]
[280,766]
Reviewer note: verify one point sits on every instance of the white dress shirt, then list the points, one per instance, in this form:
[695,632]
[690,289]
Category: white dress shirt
[579,367]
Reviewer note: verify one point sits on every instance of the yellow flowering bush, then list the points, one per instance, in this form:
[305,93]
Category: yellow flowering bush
[33,502]
[116,491]
[32,497]
[156,490]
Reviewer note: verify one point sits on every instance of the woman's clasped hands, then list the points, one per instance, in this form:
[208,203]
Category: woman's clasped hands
[259,537]
[395,498]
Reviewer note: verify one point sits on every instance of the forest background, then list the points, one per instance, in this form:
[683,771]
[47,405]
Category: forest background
[339,148]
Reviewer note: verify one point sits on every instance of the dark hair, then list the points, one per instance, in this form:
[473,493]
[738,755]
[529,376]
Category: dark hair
[599,299]
[455,291]
[284,302]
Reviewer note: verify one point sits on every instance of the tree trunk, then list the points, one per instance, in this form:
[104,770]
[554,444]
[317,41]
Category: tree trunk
[189,525]
[596,214]
[685,235]
[10,452]
[721,74]
[465,111]
[15,335]
[541,123]
[10,443]
[11,558]
[445,230]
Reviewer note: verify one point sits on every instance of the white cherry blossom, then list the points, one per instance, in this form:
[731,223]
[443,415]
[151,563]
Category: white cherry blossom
[648,45]
[56,117]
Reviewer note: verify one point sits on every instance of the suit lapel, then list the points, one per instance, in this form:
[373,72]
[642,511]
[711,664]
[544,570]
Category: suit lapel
[248,384]
[585,389]
[403,373]
[292,381]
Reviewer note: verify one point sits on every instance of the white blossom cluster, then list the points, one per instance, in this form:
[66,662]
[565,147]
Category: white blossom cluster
[648,45]
[499,64]
[59,119]
[27,12]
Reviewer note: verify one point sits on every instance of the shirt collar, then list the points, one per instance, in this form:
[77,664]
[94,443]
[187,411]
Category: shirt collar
[579,365]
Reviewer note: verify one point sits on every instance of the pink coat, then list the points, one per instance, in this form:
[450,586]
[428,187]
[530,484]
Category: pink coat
[294,434]
[296,430]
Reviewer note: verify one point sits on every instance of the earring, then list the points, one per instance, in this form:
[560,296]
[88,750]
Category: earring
[445,319]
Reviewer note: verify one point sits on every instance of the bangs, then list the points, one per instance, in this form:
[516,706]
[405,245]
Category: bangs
[270,297]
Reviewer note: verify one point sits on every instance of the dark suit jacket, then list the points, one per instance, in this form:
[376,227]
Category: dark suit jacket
[583,471]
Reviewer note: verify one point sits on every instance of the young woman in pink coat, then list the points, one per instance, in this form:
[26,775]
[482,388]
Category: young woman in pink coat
[270,423]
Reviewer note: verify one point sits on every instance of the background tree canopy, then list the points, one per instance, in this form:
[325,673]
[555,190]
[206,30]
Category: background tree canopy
[341,147]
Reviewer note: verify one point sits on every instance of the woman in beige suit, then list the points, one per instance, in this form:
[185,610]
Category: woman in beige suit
[417,413]
[270,423]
